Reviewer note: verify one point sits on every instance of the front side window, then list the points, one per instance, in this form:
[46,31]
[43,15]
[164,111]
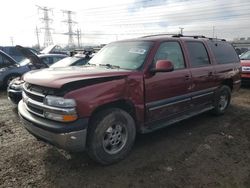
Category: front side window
[170,51]
[197,54]
[125,55]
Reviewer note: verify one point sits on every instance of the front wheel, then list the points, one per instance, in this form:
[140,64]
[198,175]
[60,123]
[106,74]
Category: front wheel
[110,136]
[222,100]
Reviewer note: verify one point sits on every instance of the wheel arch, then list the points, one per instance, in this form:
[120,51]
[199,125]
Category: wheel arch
[228,82]
[123,104]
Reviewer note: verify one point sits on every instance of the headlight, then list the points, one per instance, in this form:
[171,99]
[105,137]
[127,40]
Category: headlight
[60,117]
[60,109]
[59,102]
[3,69]
[245,69]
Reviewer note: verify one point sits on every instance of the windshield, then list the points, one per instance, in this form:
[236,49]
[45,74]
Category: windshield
[125,55]
[245,56]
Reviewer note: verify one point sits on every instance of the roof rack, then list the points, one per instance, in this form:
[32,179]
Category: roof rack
[180,35]
[162,34]
[198,36]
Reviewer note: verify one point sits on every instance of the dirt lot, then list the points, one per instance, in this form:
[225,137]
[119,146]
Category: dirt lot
[204,151]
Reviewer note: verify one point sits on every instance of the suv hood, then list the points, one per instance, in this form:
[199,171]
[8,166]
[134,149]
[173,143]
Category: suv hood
[57,77]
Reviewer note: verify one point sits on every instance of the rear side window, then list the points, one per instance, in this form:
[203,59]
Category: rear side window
[224,52]
[198,54]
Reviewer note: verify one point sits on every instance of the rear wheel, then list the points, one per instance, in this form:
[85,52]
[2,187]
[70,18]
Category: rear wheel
[111,136]
[222,100]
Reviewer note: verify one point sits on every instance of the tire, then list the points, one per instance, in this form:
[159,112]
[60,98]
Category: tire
[222,100]
[111,136]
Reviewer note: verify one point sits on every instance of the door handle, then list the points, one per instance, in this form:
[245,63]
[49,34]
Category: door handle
[187,77]
[210,74]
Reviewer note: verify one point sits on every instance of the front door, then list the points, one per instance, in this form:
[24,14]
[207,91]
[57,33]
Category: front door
[167,93]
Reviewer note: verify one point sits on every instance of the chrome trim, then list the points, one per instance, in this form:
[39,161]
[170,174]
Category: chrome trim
[169,104]
[202,95]
[238,81]
[47,108]
[26,106]
[32,92]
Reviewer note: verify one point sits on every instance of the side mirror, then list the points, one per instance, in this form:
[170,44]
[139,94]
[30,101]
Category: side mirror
[163,66]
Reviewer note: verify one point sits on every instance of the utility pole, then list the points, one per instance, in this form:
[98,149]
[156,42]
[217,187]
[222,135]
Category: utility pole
[213,30]
[12,41]
[70,22]
[46,20]
[181,30]
[37,37]
[79,38]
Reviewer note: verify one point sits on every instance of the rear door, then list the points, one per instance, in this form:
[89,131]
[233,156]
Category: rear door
[202,70]
[166,93]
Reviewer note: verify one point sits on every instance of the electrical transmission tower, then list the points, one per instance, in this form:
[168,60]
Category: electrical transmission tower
[47,29]
[70,22]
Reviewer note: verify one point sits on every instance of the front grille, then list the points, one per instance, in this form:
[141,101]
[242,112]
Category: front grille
[33,100]
[34,109]
[33,97]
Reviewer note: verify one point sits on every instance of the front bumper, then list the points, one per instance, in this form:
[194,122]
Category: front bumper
[14,95]
[68,136]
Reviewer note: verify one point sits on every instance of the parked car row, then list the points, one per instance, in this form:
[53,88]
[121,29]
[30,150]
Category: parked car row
[15,53]
[11,69]
[14,89]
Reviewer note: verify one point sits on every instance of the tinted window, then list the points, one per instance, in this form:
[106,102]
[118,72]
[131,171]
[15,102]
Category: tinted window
[57,58]
[197,54]
[82,61]
[47,60]
[4,61]
[51,60]
[171,51]
[223,52]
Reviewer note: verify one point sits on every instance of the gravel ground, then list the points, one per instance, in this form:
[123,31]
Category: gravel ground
[204,151]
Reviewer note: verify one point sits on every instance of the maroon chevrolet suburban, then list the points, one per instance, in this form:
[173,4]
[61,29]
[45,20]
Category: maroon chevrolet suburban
[130,86]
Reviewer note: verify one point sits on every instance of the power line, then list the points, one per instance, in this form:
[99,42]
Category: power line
[195,7]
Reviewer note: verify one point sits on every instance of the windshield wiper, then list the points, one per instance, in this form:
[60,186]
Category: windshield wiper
[90,64]
[110,66]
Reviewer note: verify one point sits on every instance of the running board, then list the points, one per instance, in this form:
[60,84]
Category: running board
[161,124]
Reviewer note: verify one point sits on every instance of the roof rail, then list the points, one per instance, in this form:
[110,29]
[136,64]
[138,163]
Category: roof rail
[198,36]
[162,34]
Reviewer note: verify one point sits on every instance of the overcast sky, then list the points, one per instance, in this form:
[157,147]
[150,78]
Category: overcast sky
[106,21]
